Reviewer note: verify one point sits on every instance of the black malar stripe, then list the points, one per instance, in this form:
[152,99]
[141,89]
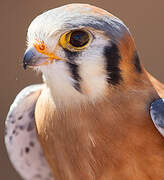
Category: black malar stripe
[74,69]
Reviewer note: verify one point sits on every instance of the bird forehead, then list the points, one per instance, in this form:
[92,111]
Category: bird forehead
[85,9]
[73,10]
[74,16]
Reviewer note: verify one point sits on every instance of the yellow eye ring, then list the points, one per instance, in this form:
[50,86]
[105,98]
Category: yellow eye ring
[75,40]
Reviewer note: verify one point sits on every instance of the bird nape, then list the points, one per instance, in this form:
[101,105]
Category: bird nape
[92,117]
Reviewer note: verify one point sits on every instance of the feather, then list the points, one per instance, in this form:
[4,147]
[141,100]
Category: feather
[21,139]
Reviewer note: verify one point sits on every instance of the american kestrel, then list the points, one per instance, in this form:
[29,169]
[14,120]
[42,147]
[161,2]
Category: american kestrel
[93,117]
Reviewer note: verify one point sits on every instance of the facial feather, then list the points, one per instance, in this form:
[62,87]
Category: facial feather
[84,75]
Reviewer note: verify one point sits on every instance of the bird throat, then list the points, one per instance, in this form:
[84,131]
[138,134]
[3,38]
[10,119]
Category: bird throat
[109,140]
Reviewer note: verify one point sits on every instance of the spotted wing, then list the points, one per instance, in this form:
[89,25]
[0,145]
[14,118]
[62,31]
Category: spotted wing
[21,140]
[157,114]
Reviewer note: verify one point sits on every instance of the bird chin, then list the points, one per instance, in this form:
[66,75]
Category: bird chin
[42,62]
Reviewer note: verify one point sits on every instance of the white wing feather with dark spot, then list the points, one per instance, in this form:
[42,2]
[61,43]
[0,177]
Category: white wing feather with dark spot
[157,114]
[21,140]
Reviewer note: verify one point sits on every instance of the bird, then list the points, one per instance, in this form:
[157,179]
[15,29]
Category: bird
[98,115]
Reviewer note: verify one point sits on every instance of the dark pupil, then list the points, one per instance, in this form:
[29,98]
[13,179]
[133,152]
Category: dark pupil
[79,38]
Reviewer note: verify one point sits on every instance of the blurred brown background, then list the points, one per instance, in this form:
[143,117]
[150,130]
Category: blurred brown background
[144,18]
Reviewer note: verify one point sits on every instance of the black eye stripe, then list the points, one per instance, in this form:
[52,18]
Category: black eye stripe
[71,56]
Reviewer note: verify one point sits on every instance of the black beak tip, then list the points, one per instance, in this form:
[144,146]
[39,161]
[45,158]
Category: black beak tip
[28,58]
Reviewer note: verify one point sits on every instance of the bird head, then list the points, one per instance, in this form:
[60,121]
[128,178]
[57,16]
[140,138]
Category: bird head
[83,52]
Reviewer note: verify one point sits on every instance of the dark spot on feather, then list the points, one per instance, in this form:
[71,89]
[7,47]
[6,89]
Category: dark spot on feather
[31,126]
[136,62]
[13,121]
[31,144]
[16,133]
[21,127]
[6,131]
[10,138]
[112,56]
[27,149]
[31,114]
[10,116]
[20,117]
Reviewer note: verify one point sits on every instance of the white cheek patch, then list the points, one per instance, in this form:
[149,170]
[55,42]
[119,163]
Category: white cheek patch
[92,68]
[93,78]
[58,78]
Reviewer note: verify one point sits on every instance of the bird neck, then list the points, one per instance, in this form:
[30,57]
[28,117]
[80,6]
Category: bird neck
[114,138]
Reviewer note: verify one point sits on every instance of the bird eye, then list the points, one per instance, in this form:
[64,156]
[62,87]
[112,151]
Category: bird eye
[75,40]
[79,38]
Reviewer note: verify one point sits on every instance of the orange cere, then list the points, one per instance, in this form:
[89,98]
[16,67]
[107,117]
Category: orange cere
[42,48]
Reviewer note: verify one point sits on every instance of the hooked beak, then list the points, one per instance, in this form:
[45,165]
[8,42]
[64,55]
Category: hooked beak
[33,58]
